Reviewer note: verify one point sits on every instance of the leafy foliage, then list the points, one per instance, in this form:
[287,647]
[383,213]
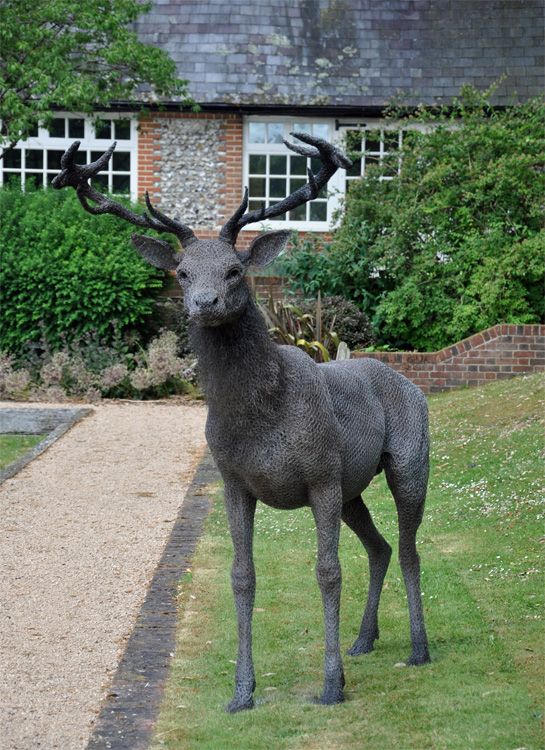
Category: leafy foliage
[65,272]
[290,324]
[90,368]
[456,242]
[75,55]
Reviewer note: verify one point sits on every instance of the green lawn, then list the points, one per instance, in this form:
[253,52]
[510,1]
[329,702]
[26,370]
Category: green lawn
[13,447]
[481,546]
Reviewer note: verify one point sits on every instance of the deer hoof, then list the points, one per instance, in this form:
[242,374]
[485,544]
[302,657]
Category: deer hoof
[417,659]
[238,704]
[362,646]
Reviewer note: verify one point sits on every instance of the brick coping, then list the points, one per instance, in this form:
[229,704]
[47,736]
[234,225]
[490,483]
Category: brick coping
[471,342]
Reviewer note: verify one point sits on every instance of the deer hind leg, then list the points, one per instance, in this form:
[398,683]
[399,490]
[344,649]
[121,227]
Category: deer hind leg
[409,491]
[357,517]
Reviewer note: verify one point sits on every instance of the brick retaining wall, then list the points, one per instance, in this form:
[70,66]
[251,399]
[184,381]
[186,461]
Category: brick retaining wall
[497,353]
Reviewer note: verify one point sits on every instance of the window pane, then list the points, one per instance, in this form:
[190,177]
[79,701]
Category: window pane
[50,176]
[318,211]
[33,181]
[12,178]
[321,130]
[277,188]
[56,129]
[299,213]
[34,159]
[371,161]
[54,159]
[258,164]
[295,184]
[255,205]
[13,159]
[95,155]
[372,144]
[355,169]
[298,165]
[257,187]
[282,217]
[303,127]
[100,182]
[354,140]
[103,129]
[275,132]
[323,192]
[121,161]
[278,164]
[391,140]
[76,128]
[123,130]
[256,132]
[121,183]
[33,131]
[315,165]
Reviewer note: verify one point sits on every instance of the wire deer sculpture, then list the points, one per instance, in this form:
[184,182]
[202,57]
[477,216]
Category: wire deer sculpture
[283,429]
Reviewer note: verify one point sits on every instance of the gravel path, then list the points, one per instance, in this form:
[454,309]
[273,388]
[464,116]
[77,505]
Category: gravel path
[82,528]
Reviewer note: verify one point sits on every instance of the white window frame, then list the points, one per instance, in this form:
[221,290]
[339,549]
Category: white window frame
[45,142]
[335,186]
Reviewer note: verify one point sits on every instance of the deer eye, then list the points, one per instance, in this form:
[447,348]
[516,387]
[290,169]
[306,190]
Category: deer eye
[232,273]
[182,275]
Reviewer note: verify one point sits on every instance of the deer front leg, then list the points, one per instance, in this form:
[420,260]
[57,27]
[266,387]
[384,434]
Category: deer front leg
[326,503]
[240,512]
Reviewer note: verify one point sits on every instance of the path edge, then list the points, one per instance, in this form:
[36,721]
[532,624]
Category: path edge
[130,710]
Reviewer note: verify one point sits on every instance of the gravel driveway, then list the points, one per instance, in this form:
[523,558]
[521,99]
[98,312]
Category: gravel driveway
[82,528]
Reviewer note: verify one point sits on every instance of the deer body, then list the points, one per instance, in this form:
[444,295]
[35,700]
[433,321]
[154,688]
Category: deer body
[284,430]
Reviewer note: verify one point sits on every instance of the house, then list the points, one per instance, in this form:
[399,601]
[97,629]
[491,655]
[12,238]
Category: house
[263,68]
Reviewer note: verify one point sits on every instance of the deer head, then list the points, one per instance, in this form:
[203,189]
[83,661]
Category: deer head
[210,272]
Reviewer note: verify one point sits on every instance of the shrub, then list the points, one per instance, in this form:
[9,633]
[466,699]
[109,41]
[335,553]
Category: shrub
[345,318]
[456,242]
[89,369]
[65,272]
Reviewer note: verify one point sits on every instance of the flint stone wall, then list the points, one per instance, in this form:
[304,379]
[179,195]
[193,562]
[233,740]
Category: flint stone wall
[190,171]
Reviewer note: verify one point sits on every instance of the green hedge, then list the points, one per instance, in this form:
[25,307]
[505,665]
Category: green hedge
[65,273]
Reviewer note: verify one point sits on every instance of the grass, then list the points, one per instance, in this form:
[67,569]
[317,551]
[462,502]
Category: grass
[481,545]
[13,447]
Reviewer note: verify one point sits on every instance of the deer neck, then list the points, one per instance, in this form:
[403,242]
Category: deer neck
[240,368]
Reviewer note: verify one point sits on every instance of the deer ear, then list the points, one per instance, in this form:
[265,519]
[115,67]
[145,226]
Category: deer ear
[157,252]
[265,248]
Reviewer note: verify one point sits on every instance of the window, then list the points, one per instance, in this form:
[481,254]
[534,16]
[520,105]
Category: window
[272,171]
[38,159]
[378,147]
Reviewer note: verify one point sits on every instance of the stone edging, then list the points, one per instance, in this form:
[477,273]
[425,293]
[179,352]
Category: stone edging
[129,712]
[19,421]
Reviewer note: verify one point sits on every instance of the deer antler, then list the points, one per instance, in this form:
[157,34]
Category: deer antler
[332,158]
[77,176]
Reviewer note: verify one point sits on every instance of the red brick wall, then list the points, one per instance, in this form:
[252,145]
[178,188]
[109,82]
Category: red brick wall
[500,352]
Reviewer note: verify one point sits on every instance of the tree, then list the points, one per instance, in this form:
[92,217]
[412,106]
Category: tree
[77,56]
[456,242]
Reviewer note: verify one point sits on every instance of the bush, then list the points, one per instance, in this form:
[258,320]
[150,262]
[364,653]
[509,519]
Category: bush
[89,369]
[456,242]
[65,272]
[345,318]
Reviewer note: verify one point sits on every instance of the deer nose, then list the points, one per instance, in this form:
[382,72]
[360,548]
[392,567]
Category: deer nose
[205,300]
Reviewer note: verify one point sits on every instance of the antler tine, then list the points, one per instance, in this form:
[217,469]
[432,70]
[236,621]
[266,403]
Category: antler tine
[332,158]
[77,176]
[184,232]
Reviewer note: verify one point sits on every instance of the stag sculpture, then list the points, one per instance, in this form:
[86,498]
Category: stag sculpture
[285,430]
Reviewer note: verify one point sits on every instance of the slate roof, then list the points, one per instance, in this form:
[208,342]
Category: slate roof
[349,52]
